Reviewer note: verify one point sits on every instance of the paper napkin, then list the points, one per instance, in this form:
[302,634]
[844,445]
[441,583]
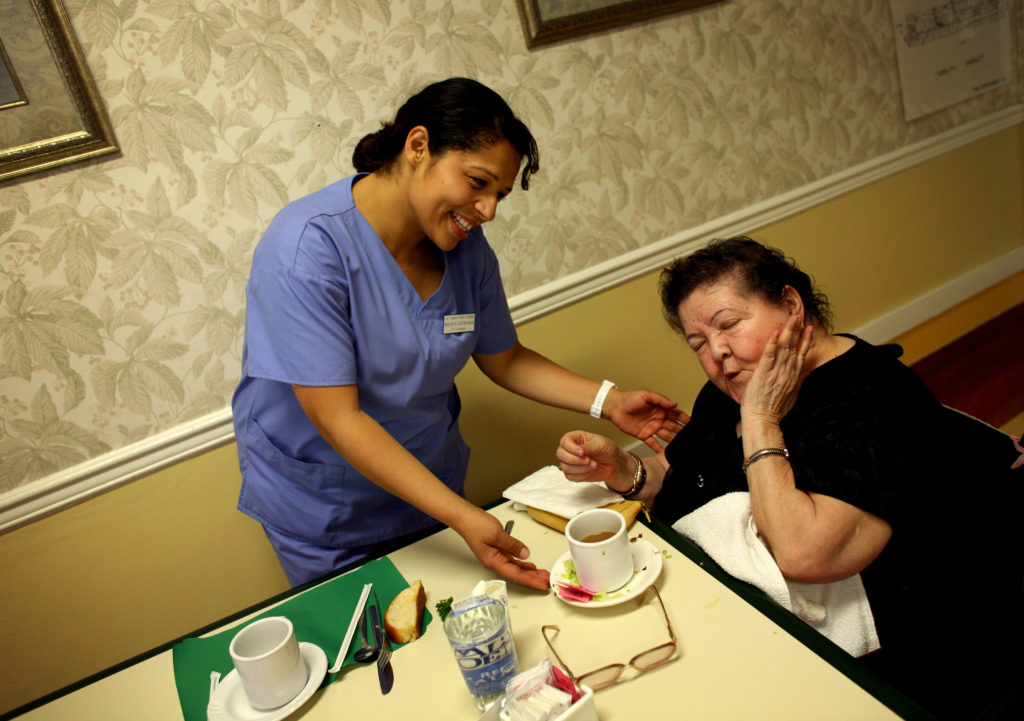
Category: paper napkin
[549,490]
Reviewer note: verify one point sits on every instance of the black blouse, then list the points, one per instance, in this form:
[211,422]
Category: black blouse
[866,429]
[858,425]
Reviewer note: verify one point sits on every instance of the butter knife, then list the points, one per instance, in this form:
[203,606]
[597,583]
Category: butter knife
[384,672]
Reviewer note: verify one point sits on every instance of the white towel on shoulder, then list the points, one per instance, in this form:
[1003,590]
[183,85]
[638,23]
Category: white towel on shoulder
[724,528]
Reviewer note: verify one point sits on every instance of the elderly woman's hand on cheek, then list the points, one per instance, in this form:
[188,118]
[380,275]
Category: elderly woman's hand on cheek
[587,457]
[773,388]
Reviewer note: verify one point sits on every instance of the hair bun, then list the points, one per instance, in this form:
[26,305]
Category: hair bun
[371,152]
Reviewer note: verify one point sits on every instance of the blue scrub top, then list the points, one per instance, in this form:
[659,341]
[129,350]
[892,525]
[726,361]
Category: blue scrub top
[328,305]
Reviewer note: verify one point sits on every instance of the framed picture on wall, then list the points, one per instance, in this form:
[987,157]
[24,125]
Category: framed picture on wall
[550,21]
[50,110]
[11,92]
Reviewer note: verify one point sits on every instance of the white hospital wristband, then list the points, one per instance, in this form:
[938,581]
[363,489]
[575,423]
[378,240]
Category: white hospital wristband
[598,404]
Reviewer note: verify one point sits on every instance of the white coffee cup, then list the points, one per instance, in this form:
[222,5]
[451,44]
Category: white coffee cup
[269,665]
[599,547]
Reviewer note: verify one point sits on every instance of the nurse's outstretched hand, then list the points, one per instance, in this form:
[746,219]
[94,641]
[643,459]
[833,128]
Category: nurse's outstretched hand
[499,551]
[645,415]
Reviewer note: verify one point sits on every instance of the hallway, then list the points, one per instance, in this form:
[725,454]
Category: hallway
[982,372]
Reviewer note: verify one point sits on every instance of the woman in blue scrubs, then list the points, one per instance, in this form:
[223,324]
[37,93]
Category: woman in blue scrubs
[364,301]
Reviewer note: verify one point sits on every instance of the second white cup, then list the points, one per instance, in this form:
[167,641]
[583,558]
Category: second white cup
[599,547]
[269,665]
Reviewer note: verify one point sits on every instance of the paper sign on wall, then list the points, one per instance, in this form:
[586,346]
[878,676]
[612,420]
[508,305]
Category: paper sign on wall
[950,51]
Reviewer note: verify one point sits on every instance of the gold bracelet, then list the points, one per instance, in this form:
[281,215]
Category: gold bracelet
[639,478]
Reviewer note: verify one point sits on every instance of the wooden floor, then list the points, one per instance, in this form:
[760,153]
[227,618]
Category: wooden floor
[982,373]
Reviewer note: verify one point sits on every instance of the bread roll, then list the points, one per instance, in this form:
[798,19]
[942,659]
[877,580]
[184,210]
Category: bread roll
[405,614]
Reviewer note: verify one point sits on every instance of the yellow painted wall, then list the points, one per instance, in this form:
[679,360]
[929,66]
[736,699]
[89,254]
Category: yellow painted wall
[141,565]
[127,571]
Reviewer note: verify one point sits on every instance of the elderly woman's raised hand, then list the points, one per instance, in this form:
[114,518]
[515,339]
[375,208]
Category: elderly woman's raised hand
[773,388]
[588,457]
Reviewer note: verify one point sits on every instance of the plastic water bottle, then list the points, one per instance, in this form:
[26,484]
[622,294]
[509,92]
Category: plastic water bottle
[479,633]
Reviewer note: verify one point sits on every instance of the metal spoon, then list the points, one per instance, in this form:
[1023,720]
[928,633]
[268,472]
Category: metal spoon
[366,653]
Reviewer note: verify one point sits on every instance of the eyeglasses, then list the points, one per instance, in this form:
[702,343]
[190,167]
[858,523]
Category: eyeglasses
[609,675]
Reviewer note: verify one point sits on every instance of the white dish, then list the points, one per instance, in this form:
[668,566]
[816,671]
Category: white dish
[229,703]
[646,568]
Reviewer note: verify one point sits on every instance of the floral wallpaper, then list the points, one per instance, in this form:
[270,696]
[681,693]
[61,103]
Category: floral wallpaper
[121,280]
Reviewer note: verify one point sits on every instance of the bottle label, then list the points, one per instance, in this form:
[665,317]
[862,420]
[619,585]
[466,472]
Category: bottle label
[488,664]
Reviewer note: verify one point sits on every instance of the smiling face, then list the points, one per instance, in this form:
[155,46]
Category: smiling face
[453,192]
[728,329]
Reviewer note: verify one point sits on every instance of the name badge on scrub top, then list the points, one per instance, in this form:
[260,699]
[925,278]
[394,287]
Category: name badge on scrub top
[464,323]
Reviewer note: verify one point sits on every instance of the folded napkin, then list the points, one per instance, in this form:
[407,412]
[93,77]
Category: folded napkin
[724,528]
[549,490]
[320,615]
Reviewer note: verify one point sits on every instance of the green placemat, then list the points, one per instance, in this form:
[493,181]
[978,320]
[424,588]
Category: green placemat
[320,615]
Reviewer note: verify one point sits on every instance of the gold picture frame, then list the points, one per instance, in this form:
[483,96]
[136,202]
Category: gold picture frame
[59,117]
[550,21]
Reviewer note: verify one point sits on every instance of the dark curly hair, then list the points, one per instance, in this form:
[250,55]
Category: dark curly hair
[763,271]
[459,114]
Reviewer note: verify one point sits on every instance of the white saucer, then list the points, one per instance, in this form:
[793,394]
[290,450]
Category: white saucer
[646,567]
[230,704]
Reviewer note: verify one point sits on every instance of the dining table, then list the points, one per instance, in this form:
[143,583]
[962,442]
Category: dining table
[739,655]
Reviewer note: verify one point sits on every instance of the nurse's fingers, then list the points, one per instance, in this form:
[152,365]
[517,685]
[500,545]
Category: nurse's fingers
[528,575]
[509,561]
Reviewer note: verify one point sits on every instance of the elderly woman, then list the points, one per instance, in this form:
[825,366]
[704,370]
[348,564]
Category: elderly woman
[852,466]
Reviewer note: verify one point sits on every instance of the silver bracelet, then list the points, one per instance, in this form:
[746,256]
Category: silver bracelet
[758,455]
